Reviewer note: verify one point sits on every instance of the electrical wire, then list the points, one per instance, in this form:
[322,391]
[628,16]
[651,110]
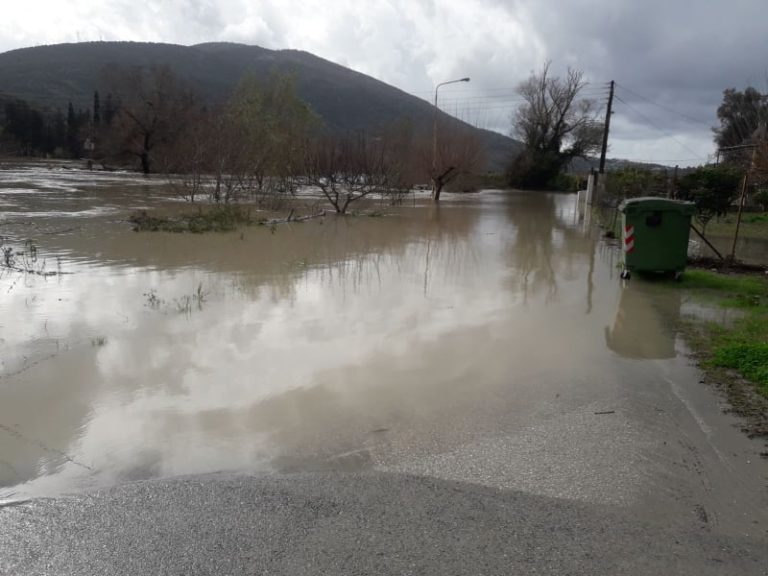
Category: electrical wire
[653,124]
[663,107]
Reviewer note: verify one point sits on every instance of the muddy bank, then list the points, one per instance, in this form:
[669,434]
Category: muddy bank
[727,266]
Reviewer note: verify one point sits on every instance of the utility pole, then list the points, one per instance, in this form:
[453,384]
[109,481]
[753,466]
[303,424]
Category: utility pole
[606,128]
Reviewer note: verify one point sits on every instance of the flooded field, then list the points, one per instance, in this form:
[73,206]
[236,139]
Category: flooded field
[487,340]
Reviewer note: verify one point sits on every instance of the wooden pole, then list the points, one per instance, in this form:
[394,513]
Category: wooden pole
[606,129]
[744,184]
[707,242]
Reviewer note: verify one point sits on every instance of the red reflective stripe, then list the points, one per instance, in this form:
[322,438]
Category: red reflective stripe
[629,239]
[629,233]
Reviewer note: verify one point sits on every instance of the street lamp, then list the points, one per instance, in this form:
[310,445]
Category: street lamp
[434,132]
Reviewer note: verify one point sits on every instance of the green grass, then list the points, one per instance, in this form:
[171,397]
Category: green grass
[732,284]
[743,346]
[753,225]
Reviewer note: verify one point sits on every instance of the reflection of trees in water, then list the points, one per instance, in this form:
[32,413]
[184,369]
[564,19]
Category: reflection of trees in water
[440,251]
[350,255]
[533,218]
[439,244]
[448,250]
[547,244]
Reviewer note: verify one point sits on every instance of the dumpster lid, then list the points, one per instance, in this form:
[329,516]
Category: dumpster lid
[653,203]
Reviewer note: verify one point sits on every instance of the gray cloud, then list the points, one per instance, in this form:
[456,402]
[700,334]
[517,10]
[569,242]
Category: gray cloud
[676,53]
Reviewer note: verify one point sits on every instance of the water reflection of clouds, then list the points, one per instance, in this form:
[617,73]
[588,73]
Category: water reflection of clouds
[242,347]
[299,332]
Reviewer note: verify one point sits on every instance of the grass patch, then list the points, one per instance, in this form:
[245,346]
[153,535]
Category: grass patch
[744,301]
[213,219]
[750,359]
[743,346]
[734,285]
[753,225]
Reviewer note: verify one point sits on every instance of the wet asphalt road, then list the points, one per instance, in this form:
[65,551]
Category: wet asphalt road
[338,523]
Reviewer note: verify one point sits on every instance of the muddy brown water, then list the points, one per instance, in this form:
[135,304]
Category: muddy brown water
[487,340]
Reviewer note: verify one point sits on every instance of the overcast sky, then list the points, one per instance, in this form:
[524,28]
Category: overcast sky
[671,58]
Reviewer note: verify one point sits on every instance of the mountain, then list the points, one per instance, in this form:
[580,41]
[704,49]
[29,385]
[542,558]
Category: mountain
[51,76]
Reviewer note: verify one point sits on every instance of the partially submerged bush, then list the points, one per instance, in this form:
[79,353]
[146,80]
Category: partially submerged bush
[215,219]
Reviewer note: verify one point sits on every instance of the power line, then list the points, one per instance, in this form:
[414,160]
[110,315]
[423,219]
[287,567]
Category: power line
[663,107]
[510,97]
[498,91]
[653,124]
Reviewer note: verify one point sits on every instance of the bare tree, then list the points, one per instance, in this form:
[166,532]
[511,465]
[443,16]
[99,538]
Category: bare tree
[350,167]
[154,108]
[459,151]
[248,149]
[401,158]
[554,124]
[200,162]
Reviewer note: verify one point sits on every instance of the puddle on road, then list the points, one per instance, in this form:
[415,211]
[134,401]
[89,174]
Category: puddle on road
[339,343]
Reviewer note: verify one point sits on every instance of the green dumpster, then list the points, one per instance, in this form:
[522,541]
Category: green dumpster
[655,235]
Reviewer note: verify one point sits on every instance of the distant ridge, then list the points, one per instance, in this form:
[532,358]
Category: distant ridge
[51,76]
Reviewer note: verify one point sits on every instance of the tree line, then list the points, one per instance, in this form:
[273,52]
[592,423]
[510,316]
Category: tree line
[262,144]
[28,131]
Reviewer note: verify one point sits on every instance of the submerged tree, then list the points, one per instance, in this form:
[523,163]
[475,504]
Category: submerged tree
[345,168]
[154,108]
[458,151]
[250,147]
[351,166]
[555,126]
[270,122]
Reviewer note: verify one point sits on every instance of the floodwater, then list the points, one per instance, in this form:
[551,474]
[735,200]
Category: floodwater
[487,340]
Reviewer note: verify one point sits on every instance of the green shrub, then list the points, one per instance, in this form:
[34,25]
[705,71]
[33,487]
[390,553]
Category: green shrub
[761,197]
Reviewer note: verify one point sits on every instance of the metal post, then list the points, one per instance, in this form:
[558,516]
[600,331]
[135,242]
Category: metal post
[434,135]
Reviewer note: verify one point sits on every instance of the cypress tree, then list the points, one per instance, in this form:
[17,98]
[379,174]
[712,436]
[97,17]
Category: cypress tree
[73,144]
[96,109]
